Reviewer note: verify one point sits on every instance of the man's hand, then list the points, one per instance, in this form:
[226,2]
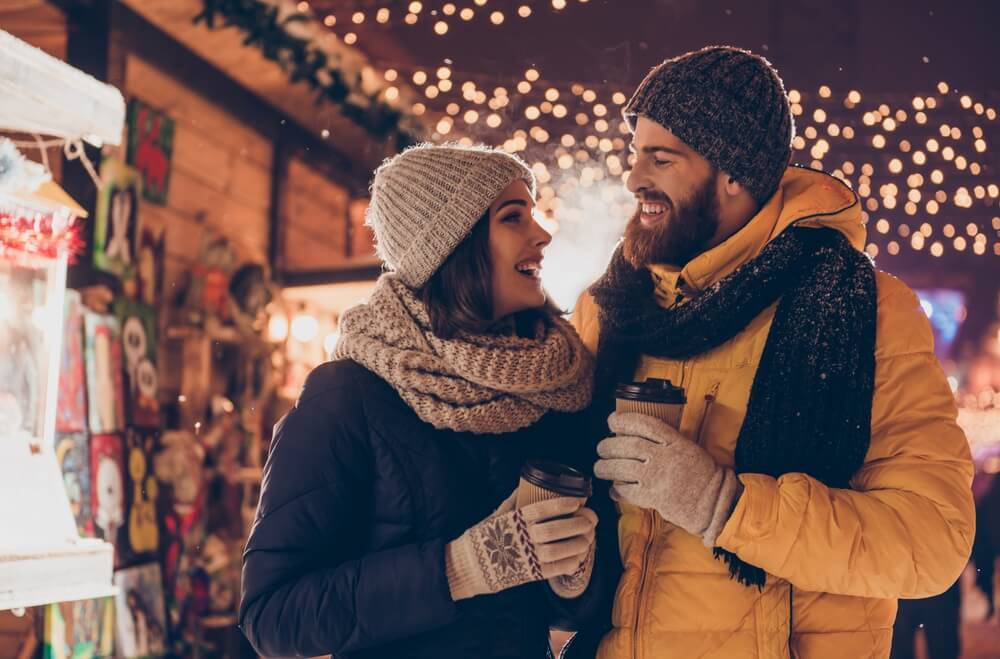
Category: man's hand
[654,466]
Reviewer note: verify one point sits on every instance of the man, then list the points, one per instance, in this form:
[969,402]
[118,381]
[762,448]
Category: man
[817,473]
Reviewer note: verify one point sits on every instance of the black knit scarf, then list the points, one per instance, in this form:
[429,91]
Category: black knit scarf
[810,404]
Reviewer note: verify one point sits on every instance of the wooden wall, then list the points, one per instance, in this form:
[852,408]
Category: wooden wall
[313,219]
[44,26]
[220,176]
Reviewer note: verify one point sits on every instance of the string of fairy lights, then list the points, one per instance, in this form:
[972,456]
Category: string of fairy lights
[921,164]
[417,13]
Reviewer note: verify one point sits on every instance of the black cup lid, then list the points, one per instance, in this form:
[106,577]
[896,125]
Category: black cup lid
[653,390]
[556,477]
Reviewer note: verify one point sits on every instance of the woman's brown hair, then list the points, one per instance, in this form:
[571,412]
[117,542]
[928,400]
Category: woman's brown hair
[459,295]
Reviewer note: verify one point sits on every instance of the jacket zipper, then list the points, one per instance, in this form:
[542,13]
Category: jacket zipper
[642,581]
[709,402]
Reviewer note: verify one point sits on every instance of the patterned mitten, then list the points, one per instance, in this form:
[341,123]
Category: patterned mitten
[551,538]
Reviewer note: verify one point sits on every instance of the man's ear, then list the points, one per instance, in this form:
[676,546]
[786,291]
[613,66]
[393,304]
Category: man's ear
[732,187]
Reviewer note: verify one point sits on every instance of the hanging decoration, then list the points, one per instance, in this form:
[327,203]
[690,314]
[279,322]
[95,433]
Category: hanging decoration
[150,146]
[295,41]
[117,222]
[31,224]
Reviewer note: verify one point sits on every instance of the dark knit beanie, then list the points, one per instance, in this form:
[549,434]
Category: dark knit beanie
[727,104]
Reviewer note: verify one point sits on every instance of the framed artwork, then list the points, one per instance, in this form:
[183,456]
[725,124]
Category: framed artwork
[141,627]
[117,222]
[138,330]
[107,486]
[207,289]
[79,630]
[71,410]
[139,537]
[150,147]
[150,266]
[103,359]
[73,456]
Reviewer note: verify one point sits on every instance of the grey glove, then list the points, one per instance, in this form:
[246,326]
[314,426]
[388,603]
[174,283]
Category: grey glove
[544,540]
[654,466]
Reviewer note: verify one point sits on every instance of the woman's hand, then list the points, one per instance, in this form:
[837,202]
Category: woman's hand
[545,540]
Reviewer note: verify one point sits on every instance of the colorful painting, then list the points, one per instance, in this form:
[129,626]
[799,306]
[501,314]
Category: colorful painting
[117,223]
[180,468]
[107,475]
[362,241]
[138,323]
[207,291]
[147,287]
[139,537]
[150,146]
[73,456]
[71,411]
[79,630]
[141,622]
[103,359]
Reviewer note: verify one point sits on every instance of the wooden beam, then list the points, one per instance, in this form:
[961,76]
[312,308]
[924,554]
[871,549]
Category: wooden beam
[91,46]
[366,272]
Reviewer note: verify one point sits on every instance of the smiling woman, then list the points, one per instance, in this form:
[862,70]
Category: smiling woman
[495,273]
[387,518]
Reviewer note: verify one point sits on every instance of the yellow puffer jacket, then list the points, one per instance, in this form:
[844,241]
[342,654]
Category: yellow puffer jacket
[837,559]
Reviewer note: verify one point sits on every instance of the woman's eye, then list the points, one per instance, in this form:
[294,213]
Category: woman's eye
[514,217]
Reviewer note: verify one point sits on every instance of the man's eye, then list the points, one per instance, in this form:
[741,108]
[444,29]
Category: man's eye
[661,163]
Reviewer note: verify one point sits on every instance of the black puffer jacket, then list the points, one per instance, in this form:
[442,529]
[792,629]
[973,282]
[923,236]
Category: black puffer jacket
[359,499]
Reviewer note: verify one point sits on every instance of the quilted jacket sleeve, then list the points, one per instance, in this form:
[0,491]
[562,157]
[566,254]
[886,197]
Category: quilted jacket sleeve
[905,529]
[308,587]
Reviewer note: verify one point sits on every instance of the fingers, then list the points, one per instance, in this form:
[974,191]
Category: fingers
[580,524]
[624,446]
[558,507]
[626,471]
[562,568]
[554,552]
[642,425]
[622,492]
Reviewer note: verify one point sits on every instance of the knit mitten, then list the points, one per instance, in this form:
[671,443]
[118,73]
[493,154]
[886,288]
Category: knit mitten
[572,585]
[655,467]
[547,539]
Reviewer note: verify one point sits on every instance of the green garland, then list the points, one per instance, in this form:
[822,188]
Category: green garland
[303,61]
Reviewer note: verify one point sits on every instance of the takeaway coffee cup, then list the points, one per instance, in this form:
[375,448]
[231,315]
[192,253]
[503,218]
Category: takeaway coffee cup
[543,479]
[655,397]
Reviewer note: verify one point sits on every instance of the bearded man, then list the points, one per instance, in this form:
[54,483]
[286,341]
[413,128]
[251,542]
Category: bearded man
[817,473]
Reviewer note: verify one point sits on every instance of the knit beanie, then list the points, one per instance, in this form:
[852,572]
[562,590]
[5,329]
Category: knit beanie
[727,104]
[425,201]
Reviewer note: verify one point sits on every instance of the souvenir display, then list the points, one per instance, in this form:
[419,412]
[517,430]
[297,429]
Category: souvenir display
[140,619]
[103,357]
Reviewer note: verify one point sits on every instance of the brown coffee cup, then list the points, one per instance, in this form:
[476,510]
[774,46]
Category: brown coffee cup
[544,479]
[655,397]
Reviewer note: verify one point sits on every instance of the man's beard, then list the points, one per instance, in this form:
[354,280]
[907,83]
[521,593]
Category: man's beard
[678,238]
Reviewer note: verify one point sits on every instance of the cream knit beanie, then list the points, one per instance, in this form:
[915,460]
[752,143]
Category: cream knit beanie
[426,200]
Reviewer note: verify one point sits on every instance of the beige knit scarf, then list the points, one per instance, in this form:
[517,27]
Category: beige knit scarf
[483,383]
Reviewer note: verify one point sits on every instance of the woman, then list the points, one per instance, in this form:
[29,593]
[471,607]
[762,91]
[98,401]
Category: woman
[385,526]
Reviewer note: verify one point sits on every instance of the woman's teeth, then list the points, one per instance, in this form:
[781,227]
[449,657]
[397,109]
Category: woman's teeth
[529,268]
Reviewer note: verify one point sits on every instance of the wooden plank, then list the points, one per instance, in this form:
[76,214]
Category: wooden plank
[183,233]
[305,252]
[251,183]
[203,158]
[192,197]
[144,80]
[247,229]
[37,22]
